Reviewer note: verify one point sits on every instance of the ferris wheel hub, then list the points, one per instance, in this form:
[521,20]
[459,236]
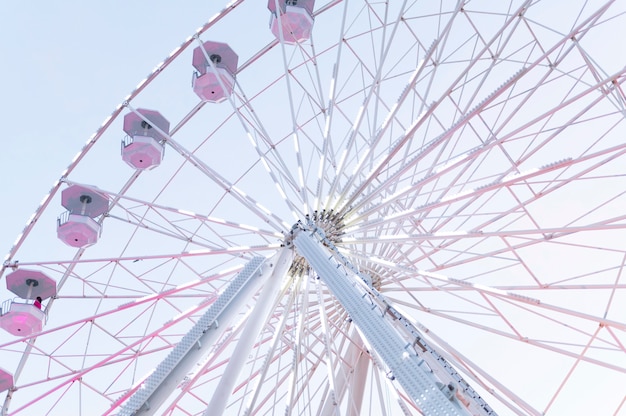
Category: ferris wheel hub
[328,221]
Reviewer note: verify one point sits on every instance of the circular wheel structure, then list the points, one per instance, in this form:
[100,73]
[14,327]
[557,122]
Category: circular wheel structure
[467,159]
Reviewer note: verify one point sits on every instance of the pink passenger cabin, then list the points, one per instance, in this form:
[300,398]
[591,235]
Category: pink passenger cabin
[77,227]
[293,22]
[214,81]
[21,317]
[6,380]
[143,147]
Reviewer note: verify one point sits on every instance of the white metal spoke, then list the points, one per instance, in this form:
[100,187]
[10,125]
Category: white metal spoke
[279,268]
[360,115]
[303,288]
[222,182]
[331,396]
[446,178]
[270,353]
[327,149]
[248,133]
[296,140]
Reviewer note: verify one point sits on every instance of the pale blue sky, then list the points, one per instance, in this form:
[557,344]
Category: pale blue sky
[66,67]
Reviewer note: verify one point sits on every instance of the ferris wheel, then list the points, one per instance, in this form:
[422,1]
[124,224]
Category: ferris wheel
[326,207]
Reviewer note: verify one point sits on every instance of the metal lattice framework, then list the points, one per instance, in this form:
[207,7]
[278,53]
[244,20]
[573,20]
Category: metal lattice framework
[464,162]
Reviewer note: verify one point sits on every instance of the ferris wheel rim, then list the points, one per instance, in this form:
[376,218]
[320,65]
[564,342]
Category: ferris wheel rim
[458,285]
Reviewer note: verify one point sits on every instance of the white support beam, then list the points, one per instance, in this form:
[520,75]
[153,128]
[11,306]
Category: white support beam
[350,377]
[274,272]
[297,350]
[331,406]
[448,376]
[387,331]
[407,367]
[155,389]
[359,376]
[273,351]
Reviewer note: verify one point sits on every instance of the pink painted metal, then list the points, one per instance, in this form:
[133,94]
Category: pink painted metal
[209,88]
[22,319]
[142,152]
[84,201]
[214,84]
[294,22]
[78,231]
[6,380]
[135,125]
[28,284]
[221,54]
[146,130]
[283,4]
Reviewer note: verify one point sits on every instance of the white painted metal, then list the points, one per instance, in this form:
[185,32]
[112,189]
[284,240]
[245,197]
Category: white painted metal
[155,389]
[273,276]
[448,376]
[406,366]
[298,347]
[351,376]
[475,154]
[273,350]
[332,403]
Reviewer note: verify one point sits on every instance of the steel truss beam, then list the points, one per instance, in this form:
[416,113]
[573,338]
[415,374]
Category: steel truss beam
[155,389]
[430,381]
[272,277]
